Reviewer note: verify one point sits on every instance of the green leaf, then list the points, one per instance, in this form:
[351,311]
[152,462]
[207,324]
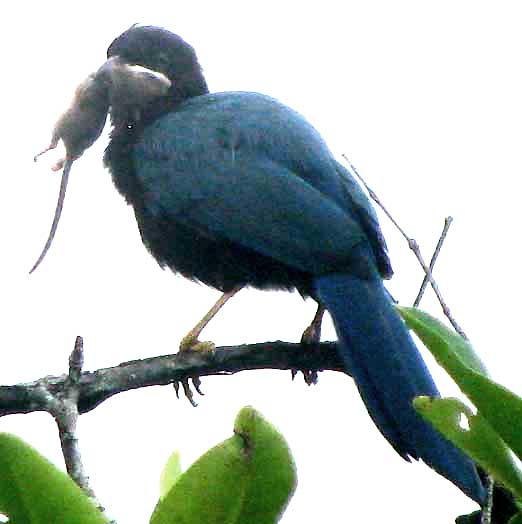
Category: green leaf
[446,343]
[34,491]
[499,406]
[272,473]
[209,491]
[170,474]
[248,478]
[478,440]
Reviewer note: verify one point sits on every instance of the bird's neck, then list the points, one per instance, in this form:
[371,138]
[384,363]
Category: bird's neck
[189,85]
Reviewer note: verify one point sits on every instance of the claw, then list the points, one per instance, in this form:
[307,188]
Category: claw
[188,392]
[310,377]
[196,382]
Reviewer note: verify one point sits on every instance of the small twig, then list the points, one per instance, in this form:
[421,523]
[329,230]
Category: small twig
[66,417]
[447,224]
[485,517]
[76,362]
[63,407]
[412,243]
[376,199]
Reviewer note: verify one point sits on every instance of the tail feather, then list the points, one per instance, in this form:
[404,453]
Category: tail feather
[389,372]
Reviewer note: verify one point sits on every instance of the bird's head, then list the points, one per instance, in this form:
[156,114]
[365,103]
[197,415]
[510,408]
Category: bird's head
[163,53]
[156,49]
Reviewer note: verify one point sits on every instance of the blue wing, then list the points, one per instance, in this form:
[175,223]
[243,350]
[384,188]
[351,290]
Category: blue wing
[261,178]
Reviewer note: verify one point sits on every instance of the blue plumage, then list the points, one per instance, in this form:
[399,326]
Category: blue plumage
[389,372]
[235,189]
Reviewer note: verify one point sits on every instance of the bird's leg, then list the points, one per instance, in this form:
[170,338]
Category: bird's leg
[190,341]
[312,334]
[311,337]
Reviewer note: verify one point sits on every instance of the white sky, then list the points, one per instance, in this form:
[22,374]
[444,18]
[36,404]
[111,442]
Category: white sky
[424,97]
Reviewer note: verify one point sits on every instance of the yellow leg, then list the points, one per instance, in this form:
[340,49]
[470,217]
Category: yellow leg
[190,341]
[312,334]
[311,337]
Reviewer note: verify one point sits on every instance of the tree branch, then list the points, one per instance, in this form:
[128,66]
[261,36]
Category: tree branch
[62,404]
[64,409]
[447,224]
[98,386]
[414,246]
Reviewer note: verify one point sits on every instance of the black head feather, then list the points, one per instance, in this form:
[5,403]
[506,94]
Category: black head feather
[162,51]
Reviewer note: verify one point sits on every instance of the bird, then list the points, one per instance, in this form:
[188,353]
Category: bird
[234,190]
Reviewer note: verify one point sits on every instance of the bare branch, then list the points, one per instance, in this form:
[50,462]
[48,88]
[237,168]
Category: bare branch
[485,517]
[65,412]
[98,386]
[412,243]
[59,397]
[447,224]
[63,406]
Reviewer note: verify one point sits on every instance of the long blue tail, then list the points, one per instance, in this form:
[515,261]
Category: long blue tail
[389,372]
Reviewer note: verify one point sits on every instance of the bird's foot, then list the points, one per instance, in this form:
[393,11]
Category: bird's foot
[310,340]
[191,343]
[196,382]
[310,376]
[311,335]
